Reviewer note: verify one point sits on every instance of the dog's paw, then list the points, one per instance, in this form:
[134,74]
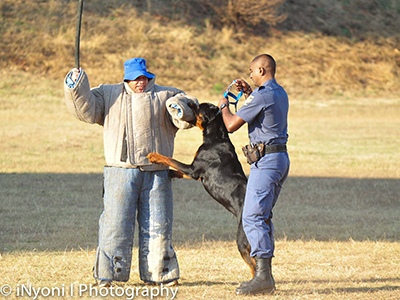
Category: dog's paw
[153,157]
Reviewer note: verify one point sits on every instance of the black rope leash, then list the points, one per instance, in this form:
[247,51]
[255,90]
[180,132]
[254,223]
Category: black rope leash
[78,32]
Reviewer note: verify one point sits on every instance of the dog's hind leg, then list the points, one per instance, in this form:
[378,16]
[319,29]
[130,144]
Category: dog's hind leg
[245,249]
[250,261]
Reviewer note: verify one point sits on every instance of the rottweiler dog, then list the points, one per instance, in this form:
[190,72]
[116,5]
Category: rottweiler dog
[217,166]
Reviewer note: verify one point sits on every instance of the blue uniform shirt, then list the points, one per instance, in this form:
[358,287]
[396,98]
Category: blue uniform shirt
[266,111]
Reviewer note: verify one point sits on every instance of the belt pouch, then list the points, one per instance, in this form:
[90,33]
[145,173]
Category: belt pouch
[253,153]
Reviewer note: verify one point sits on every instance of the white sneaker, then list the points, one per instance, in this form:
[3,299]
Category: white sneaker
[105,283]
[171,283]
[167,284]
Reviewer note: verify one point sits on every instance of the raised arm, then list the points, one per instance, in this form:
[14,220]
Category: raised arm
[83,103]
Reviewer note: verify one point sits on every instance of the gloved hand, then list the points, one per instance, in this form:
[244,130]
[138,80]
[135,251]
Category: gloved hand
[181,114]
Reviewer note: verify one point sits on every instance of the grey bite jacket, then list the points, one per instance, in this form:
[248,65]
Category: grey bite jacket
[135,124]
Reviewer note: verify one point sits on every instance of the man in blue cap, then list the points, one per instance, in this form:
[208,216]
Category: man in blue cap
[265,111]
[138,117]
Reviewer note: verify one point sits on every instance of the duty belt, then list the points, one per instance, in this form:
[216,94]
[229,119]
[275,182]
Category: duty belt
[274,149]
[254,152]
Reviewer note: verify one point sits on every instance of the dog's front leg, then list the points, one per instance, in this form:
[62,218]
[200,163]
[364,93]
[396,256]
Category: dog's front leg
[185,170]
[176,174]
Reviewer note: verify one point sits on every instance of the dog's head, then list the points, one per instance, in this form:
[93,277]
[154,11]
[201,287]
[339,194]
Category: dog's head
[205,114]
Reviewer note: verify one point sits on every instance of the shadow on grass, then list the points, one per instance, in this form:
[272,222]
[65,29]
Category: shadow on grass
[208,283]
[344,290]
[327,281]
[58,212]
[324,291]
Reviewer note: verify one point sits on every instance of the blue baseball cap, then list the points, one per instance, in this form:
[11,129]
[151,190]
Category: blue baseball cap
[136,67]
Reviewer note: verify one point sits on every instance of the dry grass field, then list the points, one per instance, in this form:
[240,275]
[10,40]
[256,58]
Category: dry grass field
[336,221]
[337,224]
[303,270]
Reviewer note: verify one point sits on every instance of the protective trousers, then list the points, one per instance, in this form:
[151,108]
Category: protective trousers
[127,193]
[263,187]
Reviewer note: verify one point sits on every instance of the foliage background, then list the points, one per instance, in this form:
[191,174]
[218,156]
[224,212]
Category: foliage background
[323,48]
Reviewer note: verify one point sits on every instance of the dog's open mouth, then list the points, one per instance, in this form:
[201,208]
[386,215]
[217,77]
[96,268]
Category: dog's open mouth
[198,120]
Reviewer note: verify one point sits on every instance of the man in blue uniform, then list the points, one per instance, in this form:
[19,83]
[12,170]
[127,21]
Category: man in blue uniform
[265,111]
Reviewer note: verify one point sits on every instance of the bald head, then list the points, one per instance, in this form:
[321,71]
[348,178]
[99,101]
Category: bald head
[267,62]
[262,69]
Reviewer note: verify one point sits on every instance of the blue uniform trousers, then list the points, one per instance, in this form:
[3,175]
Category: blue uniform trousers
[148,195]
[264,185]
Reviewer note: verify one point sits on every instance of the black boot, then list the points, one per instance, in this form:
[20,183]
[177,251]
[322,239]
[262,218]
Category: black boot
[263,281]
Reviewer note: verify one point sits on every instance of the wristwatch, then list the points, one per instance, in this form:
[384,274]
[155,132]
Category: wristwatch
[222,106]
